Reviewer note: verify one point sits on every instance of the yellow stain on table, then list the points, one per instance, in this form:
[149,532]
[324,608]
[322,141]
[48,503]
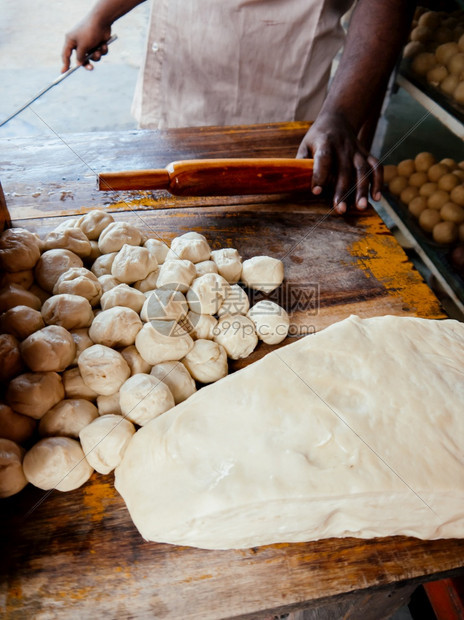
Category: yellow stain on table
[95,499]
[379,256]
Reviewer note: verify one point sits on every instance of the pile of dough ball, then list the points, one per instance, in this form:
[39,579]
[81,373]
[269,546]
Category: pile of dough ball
[433,192]
[103,329]
[436,51]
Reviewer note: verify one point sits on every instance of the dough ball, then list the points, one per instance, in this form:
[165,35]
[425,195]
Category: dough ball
[450,162]
[12,296]
[417,179]
[107,282]
[452,213]
[192,246]
[205,266]
[423,63]
[52,264]
[15,426]
[417,205]
[436,75]
[421,34]
[455,64]
[72,239]
[423,161]
[406,167]
[10,358]
[158,249]
[236,302]
[69,222]
[94,223]
[408,194]
[79,281]
[67,418]
[442,34]
[413,48]
[133,263]
[445,51]
[34,393]
[56,463]
[163,341]
[428,189]
[390,171]
[263,273]
[136,362]
[458,93]
[109,404]
[39,293]
[21,321]
[74,386]
[19,249]
[207,361]
[105,440]
[270,320]
[429,19]
[177,275]
[229,264]
[117,234]
[116,327]
[201,325]
[102,369]
[123,295]
[207,293]
[438,199]
[428,219]
[445,232]
[457,195]
[449,84]
[448,181]
[82,341]
[51,348]
[24,279]
[149,283]
[12,479]
[178,379]
[164,305]
[94,252]
[143,398]
[436,171]
[103,264]
[237,334]
[69,311]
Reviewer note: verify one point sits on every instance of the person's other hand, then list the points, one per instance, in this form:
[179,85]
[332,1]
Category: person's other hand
[340,161]
[87,35]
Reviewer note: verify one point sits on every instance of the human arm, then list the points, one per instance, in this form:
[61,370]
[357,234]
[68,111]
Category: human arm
[376,34]
[93,30]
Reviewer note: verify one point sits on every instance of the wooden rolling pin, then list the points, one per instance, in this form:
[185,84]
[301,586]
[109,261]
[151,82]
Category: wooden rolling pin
[216,177]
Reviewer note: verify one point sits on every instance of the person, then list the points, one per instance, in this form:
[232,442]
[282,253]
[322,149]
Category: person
[211,62]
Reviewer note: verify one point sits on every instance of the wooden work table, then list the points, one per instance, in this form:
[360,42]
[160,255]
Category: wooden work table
[78,555]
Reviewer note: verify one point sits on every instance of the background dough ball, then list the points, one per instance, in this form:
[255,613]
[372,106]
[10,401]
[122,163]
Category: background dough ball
[116,234]
[116,327]
[136,362]
[67,418]
[52,264]
[12,478]
[123,295]
[192,246]
[94,223]
[205,266]
[428,219]
[102,369]
[458,93]
[109,404]
[94,252]
[201,325]
[164,305]
[107,282]
[423,161]
[11,363]
[157,248]
[436,75]
[417,179]
[423,63]
[105,440]
[19,249]
[24,278]
[449,84]
[428,189]
[21,321]
[417,205]
[34,393]
[237,334]
[236,302]
[438,199]
[207,361]
[429,19]
[143,398]
[56,463]
[270,320]
[450,162]
[448,181]
[455,64]
[79,281]
[436,171]
[406,167]
[445,51]
[15,426]
[263,273]
[408,194]
[457,195]
[445,232]
[229,264]
[452,213]
[69,311]
[72,239]
[413,48]
[178,379]
[74,386]
[39,293]
[390,171]
[163,341]
[207,293]
[177,275]
[12,295]
[51,348]
[102,265]
[421,34]
[82,341]
[397,185]
[149,283]
[133,263]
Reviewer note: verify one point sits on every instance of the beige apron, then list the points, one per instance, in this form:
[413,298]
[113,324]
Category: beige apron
[227,62]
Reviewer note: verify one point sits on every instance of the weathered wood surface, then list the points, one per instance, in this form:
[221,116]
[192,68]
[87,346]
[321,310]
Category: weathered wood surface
[78,554]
